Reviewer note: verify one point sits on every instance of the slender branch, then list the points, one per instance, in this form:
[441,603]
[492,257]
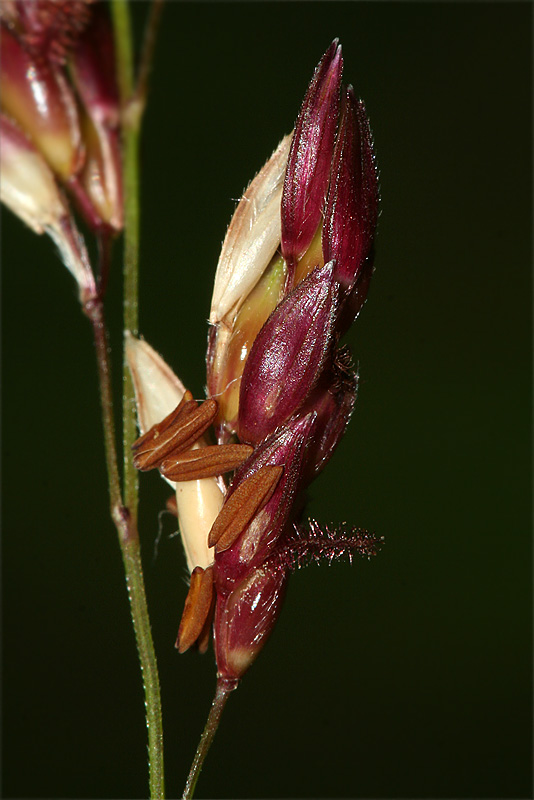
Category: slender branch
[94,311]
[131,556]
[224,689]
[147,52]
[130,309]
[105,242]
[133,101]
[133,568]
[124,46]
[131,123]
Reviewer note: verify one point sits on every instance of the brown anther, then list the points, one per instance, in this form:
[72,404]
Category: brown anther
[205,462]
[183,432]
[242,505]
[198,605]
[153,432]
[204,637]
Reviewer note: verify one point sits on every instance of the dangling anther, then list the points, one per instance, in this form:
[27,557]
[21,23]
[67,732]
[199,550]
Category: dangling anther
[182,431]
[205,462]
[198,605]
[155,431]
[242,505]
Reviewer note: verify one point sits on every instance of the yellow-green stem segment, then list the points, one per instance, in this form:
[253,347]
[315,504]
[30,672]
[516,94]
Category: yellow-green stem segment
[130,548]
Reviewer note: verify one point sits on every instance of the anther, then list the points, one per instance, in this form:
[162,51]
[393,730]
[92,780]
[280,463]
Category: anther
[184,430]
[198,605]
[154,432]
[242,505]
[205,462]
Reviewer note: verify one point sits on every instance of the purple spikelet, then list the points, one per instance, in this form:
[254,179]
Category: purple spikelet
[298,259]
[295,370]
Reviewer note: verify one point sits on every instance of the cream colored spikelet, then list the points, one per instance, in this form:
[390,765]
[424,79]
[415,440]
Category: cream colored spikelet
[158,391]
[252,238]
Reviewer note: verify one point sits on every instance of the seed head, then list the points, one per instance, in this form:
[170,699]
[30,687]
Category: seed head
[293,274]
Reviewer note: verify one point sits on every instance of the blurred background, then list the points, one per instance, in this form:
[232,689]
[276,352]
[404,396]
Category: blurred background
[406,676]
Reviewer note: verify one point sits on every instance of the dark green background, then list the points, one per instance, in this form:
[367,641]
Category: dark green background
[407,676]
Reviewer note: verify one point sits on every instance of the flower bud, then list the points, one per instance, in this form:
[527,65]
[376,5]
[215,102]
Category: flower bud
[38,98]
[352,208]
[157,392]
[28,188]
[308,169]
[287,356]
[245,619]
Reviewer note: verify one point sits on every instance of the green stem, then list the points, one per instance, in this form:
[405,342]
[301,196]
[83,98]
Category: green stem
[131,124]
[131,556]
[147,52]
[224,689]
[122,27]
[95,312]
[130,309]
